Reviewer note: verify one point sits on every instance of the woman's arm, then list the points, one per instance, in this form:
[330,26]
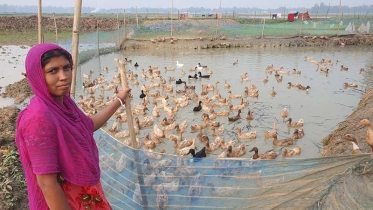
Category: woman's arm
[100,118]
[52,191]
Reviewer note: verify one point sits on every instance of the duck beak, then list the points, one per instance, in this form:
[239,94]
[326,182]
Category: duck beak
[251,150]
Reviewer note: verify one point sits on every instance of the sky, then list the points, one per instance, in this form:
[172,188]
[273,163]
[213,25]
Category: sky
[262,4]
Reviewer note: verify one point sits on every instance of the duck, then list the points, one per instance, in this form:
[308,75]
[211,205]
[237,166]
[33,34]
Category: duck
[166,121]
[296,124]
[203,66]
[240,151]
[270,155]
[352,139]
[213,146]
[279,79]
[127,60]
[271,133]
[217,132]
[235,63]
[149,144]
[273,92]
[284,113]
[249,115]
[199,154]
[296,71]
[369,133]
[235,118]
[193,77]
[283,142]
[136,65]
[346,85]
[179,65]
[298,133]
[226,84]
[249,135]
[202,137]
[293,152]
[146,122]
[293,85]
[198,108]
[203,76]
[265,80]
[142,95]
[301,87]
[343,68]
[224,146]
[178,82]
[361,70]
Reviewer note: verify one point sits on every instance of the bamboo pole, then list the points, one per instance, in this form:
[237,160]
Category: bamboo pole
[340,8]
[217,21]
[172,12]
[137,18]
[55,25]
[264,23]
[98,44]
[40,40]
[118,35]
[123,78]
[124,24]
[75,51]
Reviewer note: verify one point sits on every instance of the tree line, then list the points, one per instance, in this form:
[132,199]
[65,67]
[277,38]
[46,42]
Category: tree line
[317,8]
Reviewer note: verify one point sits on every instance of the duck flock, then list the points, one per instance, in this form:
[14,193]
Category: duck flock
[158,96]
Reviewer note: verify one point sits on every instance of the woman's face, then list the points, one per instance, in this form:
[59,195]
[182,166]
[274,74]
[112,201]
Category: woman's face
[58,74]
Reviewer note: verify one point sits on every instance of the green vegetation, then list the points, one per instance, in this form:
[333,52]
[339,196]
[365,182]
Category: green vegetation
[30,37]
[11,179]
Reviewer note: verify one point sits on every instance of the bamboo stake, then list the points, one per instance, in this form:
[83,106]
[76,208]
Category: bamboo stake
[118,35]
[217,21]
[55,25]
[123,78]
[98,45]
[124,24]
[172,12]
[137,18]
[340,8]
[75,51]
[264,23]
[40,40]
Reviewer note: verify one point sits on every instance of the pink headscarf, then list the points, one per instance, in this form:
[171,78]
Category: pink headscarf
[54,138]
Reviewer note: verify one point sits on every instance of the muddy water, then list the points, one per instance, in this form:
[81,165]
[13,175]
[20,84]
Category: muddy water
[322,108]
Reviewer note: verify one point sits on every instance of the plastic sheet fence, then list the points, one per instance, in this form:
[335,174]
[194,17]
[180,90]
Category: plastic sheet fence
[137,179]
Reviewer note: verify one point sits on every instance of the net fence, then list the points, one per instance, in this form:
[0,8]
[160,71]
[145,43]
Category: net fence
[139,179]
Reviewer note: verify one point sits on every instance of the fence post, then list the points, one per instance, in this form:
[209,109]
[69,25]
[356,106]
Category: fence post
[264,23]
[55,25]
[124,24]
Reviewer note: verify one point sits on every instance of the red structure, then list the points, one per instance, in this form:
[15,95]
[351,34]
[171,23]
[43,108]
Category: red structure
[304,16]
[291,17]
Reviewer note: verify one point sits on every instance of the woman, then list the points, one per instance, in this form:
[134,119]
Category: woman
[55,138]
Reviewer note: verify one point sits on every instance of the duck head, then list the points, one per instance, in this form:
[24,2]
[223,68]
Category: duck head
[254,149]
[364,122]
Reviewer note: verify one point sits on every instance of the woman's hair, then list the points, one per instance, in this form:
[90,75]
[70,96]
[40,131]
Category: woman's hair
[47,56]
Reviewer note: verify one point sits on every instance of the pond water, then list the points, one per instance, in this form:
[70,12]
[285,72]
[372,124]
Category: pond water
[325,105]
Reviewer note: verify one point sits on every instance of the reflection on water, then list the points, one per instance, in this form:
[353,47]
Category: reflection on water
[322,108]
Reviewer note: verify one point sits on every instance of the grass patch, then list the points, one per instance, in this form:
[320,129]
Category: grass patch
[8,37]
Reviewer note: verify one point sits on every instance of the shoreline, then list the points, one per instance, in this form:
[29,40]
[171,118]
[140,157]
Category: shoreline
[270,42]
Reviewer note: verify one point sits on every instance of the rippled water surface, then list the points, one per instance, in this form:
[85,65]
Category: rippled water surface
[322,108]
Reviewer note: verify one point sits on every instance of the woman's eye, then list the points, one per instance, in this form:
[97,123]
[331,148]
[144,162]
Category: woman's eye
[53,71]
[67,68]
